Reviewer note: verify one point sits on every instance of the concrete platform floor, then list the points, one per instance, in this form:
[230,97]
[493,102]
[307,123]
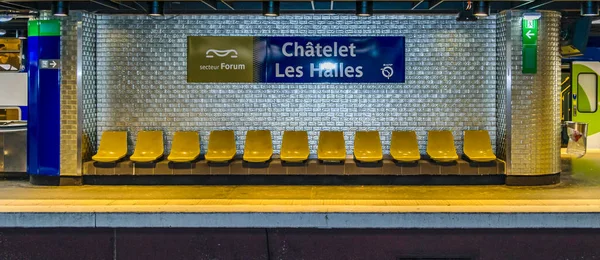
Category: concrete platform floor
[578,192]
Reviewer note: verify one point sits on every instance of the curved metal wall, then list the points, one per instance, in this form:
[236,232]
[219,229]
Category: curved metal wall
[533,127]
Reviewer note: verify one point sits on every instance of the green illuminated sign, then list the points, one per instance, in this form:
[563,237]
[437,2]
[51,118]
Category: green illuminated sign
[529,37]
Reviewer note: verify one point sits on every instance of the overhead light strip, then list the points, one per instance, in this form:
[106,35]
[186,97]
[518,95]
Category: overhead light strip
[141,6]
[417,4]
[435,3]
[104,4]
[209,5]
[122,4]
[8,7]
[542,4]
[523,4]
[227,4]
[18,5]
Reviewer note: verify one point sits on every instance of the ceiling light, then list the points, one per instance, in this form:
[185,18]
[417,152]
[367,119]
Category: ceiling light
[589,8]
[270,8]
[60,8]
[532,16]
[481,8]
[156,8]
[5,18]
[2,32]
[364,8]
[466,16]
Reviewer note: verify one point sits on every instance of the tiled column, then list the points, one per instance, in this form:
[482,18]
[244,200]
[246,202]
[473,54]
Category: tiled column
[43,129]
[78,91]
[531,102]
[75,99]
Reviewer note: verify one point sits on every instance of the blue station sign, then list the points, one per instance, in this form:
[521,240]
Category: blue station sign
[296,59]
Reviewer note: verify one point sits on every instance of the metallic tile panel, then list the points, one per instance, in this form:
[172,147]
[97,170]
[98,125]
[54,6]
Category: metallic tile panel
[535,115]
[68,95]
[88,96]
[451,79]
[501,91]
[70,105]
[46,15]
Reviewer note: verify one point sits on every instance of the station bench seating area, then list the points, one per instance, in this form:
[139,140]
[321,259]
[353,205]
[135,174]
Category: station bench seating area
[404,146]
[294,147]
[478,146]
[367,147]
[221,146]
[440,146]
[113,147]
[295,150]
[149,147]
[258,148]
[185,148]
[331,147]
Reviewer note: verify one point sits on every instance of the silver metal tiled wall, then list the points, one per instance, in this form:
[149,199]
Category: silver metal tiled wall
[535,100]
[88,91]
[68,96]
[501,105]
[73,127]
[450,79]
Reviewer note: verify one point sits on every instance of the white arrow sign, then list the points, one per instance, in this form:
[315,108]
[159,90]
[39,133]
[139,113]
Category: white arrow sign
[50,64]
[529,34]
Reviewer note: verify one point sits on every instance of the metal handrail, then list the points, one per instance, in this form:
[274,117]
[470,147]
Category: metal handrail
[562,98]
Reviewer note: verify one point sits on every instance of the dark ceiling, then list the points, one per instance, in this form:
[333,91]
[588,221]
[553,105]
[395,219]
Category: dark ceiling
[240,6]
[26,7]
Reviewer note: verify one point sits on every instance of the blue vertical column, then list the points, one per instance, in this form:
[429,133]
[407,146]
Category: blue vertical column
[43,128]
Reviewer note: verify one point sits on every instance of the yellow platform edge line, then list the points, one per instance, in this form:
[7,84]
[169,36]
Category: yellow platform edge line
[301,205]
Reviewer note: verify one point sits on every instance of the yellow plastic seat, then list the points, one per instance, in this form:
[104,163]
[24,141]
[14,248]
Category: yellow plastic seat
[332,146]
[185,148]
[221,146]
[294,146]
[478,146]
[113,147]
[149,147]
[367,146]
[258,147]
[440,146]
[404,146]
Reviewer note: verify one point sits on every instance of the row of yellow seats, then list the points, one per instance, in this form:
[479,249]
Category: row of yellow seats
[404,146]
[186,146]
[150,146]
[294,148]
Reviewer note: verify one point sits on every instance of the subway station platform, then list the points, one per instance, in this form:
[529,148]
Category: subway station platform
[574,203]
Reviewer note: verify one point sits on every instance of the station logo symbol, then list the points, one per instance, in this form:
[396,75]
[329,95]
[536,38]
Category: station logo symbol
[387,70]
[232,53]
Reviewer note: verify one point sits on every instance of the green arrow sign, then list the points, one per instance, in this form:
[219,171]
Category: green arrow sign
[530,31]
[529,37]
